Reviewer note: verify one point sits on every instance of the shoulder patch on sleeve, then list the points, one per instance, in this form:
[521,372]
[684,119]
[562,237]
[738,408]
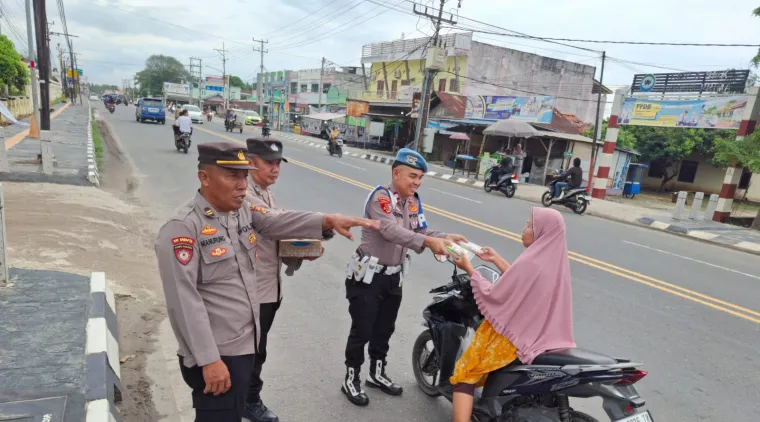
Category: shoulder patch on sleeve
[183,249]
[385,204]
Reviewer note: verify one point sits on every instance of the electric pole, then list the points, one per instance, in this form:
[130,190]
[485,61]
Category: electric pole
[223,52]
[321,76]
[260,77]
[196,76]
[427,83]
[597,125]
[34,129]
[43,61]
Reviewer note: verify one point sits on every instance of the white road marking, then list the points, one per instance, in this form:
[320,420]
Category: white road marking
[692,259]
[457,196]
[295,149]
[446,176]
[356,167]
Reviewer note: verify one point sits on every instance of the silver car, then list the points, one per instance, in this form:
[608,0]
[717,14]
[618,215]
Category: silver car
[194,113]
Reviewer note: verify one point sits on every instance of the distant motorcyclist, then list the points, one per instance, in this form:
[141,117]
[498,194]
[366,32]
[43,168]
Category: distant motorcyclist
[573,177]
[334,134]
[183,124]
[504,167]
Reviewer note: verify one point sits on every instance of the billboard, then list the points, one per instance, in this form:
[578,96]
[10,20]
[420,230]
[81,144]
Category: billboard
[709,113]
[530,109]
[355,111]
[721,82]
[172,88]
[214,83]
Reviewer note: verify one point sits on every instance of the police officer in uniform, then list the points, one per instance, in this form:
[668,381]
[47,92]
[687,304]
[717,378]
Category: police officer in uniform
[206,257]
[266,157]
[376,271]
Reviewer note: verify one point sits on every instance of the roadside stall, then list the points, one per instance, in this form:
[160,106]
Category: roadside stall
[316,124]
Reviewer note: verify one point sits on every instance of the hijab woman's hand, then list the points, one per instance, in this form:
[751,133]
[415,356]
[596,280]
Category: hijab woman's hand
[489,255]
[463,263]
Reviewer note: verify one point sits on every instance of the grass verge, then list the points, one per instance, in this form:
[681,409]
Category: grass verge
[97,141]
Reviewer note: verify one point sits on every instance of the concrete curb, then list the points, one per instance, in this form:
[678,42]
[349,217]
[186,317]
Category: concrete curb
[102,371]
[701,235]
[92,164]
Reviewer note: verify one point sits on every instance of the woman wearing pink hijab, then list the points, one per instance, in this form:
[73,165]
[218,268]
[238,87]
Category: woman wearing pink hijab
[527,312]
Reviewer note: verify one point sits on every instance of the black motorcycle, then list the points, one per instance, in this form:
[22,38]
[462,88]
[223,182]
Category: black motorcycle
[335,148]
[111,108]
[538,392]
[265,130]
[507,184]
[182,140]
[575,199]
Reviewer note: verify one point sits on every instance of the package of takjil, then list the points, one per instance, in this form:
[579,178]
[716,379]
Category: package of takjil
[300,248]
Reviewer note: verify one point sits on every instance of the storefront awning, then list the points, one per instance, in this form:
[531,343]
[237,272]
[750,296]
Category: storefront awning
[324,116]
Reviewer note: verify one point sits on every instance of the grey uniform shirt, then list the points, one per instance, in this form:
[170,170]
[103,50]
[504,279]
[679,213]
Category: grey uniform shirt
[399,228]
[206,261]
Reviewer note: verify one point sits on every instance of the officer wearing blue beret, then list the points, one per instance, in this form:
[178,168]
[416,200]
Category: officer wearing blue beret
[376,272]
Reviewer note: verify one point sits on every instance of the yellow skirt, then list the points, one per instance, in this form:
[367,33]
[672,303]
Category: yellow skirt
[488,352]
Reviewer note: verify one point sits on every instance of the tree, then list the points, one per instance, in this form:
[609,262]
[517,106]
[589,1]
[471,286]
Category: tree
[625,139]
[665,148]
[160,69]
[236,81]
[102,89]
[13,71]
[745,153]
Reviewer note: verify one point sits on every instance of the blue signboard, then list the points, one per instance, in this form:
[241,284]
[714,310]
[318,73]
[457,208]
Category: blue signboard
[214,88]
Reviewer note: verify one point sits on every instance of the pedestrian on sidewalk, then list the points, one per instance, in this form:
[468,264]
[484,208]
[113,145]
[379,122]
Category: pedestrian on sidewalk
[519,155]
[206,259]
[266,157]
[376,271]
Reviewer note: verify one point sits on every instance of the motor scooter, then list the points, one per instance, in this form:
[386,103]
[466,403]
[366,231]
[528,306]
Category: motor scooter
[575,199]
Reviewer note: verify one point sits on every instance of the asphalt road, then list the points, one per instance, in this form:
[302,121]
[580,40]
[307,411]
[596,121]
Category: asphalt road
[689,311]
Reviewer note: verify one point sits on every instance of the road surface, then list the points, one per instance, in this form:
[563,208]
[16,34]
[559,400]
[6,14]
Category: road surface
[689,311]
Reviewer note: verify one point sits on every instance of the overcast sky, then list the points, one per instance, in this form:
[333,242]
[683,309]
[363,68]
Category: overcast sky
[116,36]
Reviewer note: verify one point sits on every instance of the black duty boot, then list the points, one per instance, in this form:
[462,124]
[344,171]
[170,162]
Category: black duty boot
[378,379]
[257,412]
[352,387]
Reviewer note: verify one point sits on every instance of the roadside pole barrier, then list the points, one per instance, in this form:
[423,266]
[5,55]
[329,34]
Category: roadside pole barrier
[711,206]
[680,204]
[696,205]
[46,152]
[4,166]
[3,249]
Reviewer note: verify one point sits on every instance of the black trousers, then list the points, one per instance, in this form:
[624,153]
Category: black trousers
[266,317]
[373,308]
[227,407]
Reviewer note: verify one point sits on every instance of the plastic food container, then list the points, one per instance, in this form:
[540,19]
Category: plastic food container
[300,248]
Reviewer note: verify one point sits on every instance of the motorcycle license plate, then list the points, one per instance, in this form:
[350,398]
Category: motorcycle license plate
[515,181]
[153,110]
[639,417]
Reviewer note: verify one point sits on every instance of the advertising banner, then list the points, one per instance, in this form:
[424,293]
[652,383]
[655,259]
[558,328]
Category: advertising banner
[355,111]
[171,88]
[709,113]
[530,109]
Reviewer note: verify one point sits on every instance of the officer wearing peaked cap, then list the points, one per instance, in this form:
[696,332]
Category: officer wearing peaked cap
[266,156]
[206,260]
[377,269]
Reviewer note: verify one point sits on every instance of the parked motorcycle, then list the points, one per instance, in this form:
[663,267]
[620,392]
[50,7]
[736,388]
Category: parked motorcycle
[507,184]
[335,148]
[575,199]
[521,393]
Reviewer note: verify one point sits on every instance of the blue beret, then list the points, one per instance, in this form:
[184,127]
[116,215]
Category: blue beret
[412,159]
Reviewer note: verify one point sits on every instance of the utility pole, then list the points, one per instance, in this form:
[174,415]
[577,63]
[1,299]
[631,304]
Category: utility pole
[196,76]
[597,123]
[223,52]
[43,60]
[427,83]
[260,77]
[321,76]
[34,128]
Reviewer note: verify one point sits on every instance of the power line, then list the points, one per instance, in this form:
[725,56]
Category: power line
[322,22]
[308,14]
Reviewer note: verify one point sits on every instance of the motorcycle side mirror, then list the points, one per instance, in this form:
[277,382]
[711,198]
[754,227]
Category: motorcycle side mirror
[440,258]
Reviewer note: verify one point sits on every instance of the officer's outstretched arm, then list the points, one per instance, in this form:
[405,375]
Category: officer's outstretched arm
[179,257]
[282,224]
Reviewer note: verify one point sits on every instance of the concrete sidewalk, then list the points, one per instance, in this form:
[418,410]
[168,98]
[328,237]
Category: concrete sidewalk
[708,231]
[70,140]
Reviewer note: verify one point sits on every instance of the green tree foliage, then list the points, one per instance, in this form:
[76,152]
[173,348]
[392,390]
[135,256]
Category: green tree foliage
[13,71]
[160,69]
[102,89]
[625,139]
[236,81]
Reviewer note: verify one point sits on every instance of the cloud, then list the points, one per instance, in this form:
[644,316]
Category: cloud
[116,36]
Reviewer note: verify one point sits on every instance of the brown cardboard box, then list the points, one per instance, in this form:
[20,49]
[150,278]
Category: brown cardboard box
[300,248]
